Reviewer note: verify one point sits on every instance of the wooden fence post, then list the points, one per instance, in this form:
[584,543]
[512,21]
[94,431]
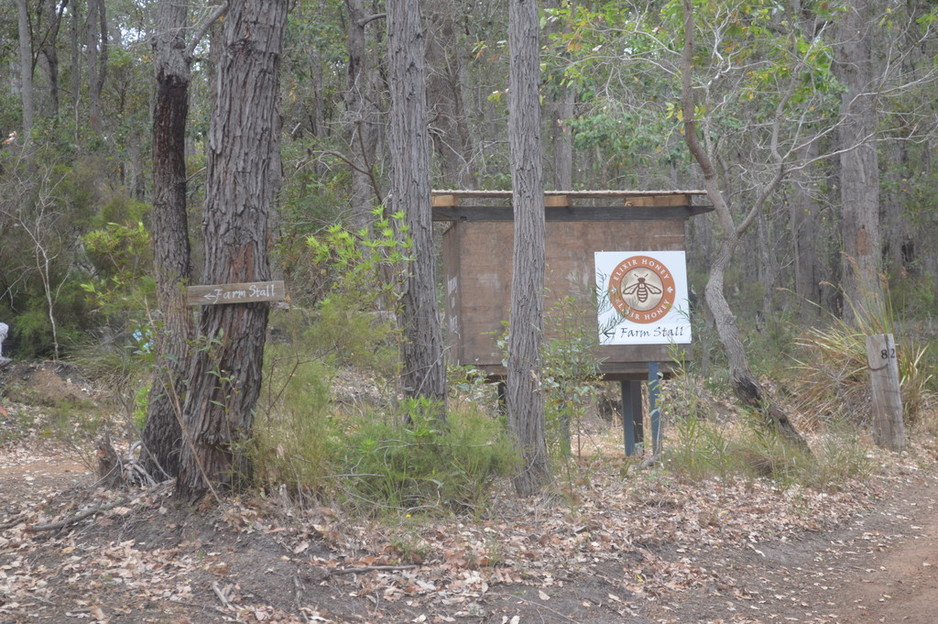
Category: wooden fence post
[888,426]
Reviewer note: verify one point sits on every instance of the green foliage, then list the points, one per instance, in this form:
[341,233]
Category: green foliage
[296,436]
[423,466]
[122,285]
[362,277]
[832,376]
[570,370]
[119,250]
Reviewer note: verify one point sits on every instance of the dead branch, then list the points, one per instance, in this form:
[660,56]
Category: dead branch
[363,569]
[61,524]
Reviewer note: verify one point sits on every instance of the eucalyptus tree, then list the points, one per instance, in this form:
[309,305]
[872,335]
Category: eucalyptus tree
[363,116]
[224,375]
[859,158]
[26,66]
[450,120]
[424,372]
[172,258]
[526,316]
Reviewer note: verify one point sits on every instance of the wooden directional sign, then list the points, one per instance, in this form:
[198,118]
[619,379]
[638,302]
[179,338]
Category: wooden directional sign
[248,292]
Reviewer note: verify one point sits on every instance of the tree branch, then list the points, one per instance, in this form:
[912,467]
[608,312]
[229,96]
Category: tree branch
[216,15]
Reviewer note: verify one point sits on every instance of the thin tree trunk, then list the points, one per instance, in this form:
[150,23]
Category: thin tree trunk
[526,316]
[452,138]
[26,67]
[243,180]
[424,371]
[560,112]
[362,114]
[162,435]
[806,232]
[97,58]
[76,59]
[745,384]
[50,54]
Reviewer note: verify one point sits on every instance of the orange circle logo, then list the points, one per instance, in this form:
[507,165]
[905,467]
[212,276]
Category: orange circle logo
[642,289]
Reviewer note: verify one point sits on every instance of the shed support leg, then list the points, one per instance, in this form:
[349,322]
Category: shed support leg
[632,415]
[654,407]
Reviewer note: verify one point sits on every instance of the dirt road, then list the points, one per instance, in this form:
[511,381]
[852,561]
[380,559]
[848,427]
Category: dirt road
[881,567]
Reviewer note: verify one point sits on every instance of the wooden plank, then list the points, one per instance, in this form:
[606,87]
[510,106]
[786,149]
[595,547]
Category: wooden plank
[556,200]
[888,426]
[444,200]
[245,292]
[658,200]
[595,194]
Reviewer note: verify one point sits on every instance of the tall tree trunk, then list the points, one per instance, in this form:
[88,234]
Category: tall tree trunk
[806,232]
[243,180]
[424,372]
[162,434]
[74,45]
[97,32]
[526,316]
[362,113]
[859,163]
[745,384]
[48,49]
[560,112]
[26,67]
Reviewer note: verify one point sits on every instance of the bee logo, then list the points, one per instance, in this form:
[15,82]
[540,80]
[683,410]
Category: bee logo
[642,289]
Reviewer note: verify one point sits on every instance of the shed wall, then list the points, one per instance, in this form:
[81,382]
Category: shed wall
[478,267]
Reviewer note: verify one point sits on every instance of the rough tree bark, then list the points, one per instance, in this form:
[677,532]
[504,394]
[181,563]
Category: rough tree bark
[171,251]
[859,165]
[424,372]
[243,179]
[526,316]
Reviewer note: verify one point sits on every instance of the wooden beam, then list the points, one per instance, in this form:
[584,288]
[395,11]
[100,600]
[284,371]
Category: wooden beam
[444,200]
[556,200]
[571,213]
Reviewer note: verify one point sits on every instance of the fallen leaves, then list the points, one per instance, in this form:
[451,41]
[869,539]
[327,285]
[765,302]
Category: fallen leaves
[643,538]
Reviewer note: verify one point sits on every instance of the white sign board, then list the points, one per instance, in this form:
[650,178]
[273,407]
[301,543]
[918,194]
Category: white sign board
[642,297]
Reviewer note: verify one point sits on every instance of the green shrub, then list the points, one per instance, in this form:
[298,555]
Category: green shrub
[296,437]
[832,375]
[425,465]
[570,372]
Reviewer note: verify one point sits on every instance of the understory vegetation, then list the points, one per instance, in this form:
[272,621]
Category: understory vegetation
[330,425]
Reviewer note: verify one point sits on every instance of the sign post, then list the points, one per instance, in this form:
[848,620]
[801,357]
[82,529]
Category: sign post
[888,426]
[246,292]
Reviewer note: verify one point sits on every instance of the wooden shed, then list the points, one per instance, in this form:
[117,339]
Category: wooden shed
[477,259]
